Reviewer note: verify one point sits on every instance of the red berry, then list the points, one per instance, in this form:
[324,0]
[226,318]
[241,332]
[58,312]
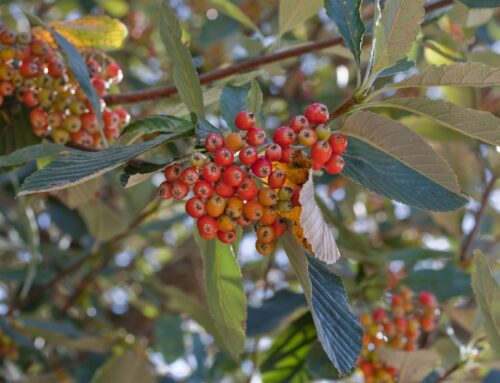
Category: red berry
[379,315]
[247,190]
[427,299]
[317,113]
[256,136]
[298,123]
[113,72]
[289,155]
[195,207]
[172,172]
[226,236]
[29,69]
[397,300]
[279,227]
[211,172]
[179,189]
[94,68]
[243,221]
[83,138]
[335,164]
[189,176]
[6,88]
[284,136]
[224,157]
[207,227]
[296,197]
[165,190]
[248,155]
[110,118]
[321,152]
[124,116]
[338,142]
[224,190]
[55,69]
[203,189]
[308,137]
[262,167]
[89,122]
[30,98]
[100,86]
[38,118]
[233,176]
[273,152]
[276,179]
[401,324]
[213,142]
[244,120]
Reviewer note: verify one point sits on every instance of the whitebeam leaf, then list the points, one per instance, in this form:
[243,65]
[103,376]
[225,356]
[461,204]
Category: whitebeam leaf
[400,142]
[316,230]
[413,366]
[482,126]
[233,11]
[395,31]
[294,12]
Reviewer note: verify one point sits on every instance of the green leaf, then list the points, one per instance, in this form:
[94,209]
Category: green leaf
[412,366]
[184,73]
[15,131]
[30,153]
[274,312]
[232,100]
[168,337]
[204,128]
[346,14]
[295,12]
[101,220]
[136,172]
[159,124]
[254,101]
[445,283]
[130,367]
[401,66]
[77,65]
[225,294]
[487,294]
[481,3]
[81,166]
[231,10]
[319,365]
[410,256]
[285,361]
[298,260]
[482,126]
[383,153]
[395,32]
[339,330]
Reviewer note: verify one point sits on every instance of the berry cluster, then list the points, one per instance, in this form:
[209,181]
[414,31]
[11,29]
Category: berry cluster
[403,327]
[237,182]
[33,73]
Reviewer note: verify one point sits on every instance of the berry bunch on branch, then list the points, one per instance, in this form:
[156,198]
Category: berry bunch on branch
[240,180]
[33,73]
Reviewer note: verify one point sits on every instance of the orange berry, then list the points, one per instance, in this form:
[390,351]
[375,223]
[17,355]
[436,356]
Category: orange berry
[225,223]
[269,215]
[215,206]
[267,197]
[253,210]
[234,207]
[265,248]
[265,234]
[234,141]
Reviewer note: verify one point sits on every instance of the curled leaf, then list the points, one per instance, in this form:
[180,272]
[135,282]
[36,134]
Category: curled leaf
[315,229]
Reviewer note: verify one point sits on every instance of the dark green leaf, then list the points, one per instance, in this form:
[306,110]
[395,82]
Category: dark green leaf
[346,14]
[168,337]
[159,124]
[15,130]
[130,367]
[69,221]
[411,256]
[273,312]
[225,294]
[481,3]
[284,362]
[319,365]
[77,65]
[232,101]
[204,128]
[255,100]
[31,153]
[81,166]
[135,172]
[338,328]
[444,283]
[401,66]
[383,174]
[184,73]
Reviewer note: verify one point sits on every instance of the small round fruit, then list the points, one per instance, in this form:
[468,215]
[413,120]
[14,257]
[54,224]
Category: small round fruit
[198,159]
[244,120]
[215,206]
[234,141]
[226,236]
[307,137]
[269,215]
[397,300]
[172,172]
[285,193]
[189,176]
[285,206]
[38,118]
[72,123]
[195,207]
[262,168]
[323,132]
[265,234]
[233,175]
[267,197]
[427,299]
[284,136]
[207,227]
[223,156]
[248,155]
[179,189]
[243,221]
[225,223]
[265,248]
[279,227]
[338,142]
[60,136]
[273,152]
[82,138]
[165,190]
[113,72]
[247,190]
[211,172]
[298,123]
[379,315]
[89,122]
[234,207]
[296,196]
[427,323]
[224,190]
[289,155]
[253,210]
[256,136]
[321,152]
[276,179]
[317,113]
[335,164]
[213,142]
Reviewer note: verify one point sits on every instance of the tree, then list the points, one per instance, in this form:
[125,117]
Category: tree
[151,150]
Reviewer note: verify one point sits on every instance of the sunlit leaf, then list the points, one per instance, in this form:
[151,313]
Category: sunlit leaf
[346,14]
[255,100]
[159,124]
[30,153]
[316,231]
[480,3]
[480,125]
[130,367]
[233,11]
[184,73]
[294,12]
[412,366]
[101,220]
[15,132]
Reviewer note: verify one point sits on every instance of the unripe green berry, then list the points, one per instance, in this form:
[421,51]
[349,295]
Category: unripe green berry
[285,206]
[285,193]
[323,132]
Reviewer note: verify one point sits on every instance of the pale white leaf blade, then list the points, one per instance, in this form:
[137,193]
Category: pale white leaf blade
[295,12]
[315,229]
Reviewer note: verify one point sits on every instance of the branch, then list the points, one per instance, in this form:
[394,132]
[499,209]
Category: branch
[254,62]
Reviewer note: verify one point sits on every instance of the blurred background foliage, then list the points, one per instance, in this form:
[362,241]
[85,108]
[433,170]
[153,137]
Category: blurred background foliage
[98,281]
